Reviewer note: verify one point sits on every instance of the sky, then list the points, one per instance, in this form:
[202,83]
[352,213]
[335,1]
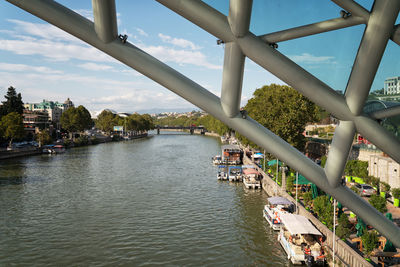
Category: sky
[43,62]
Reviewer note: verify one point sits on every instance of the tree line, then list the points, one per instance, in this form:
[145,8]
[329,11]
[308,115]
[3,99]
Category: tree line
[136,123]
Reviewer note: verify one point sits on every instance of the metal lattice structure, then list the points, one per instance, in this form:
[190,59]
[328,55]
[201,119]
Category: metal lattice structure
[233,30]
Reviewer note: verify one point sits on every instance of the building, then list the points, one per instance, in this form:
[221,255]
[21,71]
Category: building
[53,109]
[35,120]
[392,86]
[386,169]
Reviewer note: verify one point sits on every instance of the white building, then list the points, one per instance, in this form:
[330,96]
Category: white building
[392,86]
[386,169]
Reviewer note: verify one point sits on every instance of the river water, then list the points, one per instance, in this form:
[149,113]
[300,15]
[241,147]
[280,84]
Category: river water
[149,202]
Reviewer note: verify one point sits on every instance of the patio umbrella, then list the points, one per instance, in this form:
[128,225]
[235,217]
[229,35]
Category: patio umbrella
[389,247]
[360,226]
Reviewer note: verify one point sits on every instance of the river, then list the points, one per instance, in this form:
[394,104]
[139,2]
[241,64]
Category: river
[149,202]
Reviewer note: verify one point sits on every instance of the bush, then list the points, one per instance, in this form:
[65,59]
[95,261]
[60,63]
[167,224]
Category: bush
[369,241]
[385,187]
[307,197]
[343,229]
[396,192]
[81,141]
[355,189]
[323,207]
[378,203]
[289,183]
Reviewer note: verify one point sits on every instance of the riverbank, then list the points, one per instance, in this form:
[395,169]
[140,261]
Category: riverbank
[345,254]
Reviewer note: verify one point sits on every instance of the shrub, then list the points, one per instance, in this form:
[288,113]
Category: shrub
[307,197]
[355,189]
[385,187]
[289,183]
[378,203]
[323,207]
[343,229]
[81,141]
[370,241]
[396,192]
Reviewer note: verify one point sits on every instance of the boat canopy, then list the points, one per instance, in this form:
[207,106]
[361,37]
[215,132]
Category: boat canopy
[297,224]
[248,167]
[279,201]
[235,148]
[235,167]
[250,171]
[221,166]
[258,156]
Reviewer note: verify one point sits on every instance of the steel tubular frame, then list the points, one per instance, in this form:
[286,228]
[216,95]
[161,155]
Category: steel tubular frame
[240,43]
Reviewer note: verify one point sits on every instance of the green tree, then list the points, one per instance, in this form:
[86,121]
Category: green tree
[343,230]
[378,203]
[43,138]
[76,119]
[324,208]
[13,102]
[369,241]
[105,121]
[284,111]
[12,126]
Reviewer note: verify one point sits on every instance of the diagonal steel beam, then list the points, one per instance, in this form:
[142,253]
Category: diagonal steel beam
[385,113]
[396,34]
[232,76]
[370,52]
[311,29]
[353,7]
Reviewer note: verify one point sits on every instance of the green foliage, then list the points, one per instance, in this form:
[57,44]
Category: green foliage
[12,127]
[44,138]
[378,203]
[343,229]
[324,209]
[76,119]
[355,189]
[105,121]
[356,168]
[81,141]
[385,187]
[13,102]
[289,183]
[369,241]
[307,197]
[323,161]
[282,110]
[396,192]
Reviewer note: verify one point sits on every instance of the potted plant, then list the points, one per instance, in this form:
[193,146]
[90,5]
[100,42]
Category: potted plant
[396,196]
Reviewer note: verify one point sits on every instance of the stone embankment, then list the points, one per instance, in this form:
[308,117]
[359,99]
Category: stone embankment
[19,153]
[343,252]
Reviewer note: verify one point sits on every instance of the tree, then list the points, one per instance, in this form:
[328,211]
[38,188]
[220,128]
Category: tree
[369,241]
[343,229]
[378,203]
[284,111]
[76,119]
[13,102]
[43,138]
[12,126]
[323,207]
[105,121]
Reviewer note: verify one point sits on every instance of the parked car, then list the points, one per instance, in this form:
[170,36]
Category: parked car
[365,190]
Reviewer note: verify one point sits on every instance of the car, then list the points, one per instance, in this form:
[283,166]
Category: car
[365,190]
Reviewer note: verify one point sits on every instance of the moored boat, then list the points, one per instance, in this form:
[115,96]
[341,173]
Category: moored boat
[222,173]
[301,240]
[217,160]
[274,209]
[235,173]
[251,178]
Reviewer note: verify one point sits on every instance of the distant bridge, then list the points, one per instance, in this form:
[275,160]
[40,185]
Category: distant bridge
[191,129]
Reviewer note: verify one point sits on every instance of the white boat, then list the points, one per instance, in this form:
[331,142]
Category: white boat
[217,160]
[235,174]
[300,240]
[222,173]
[275,208]
[251,178]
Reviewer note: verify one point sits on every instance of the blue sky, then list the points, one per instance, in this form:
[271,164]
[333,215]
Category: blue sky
[43,62]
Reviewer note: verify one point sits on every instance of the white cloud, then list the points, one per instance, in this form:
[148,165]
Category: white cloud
[142,32]
[56,51]
[178,42]
[95,67]
[311,59]
[179,56]
[25,68]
